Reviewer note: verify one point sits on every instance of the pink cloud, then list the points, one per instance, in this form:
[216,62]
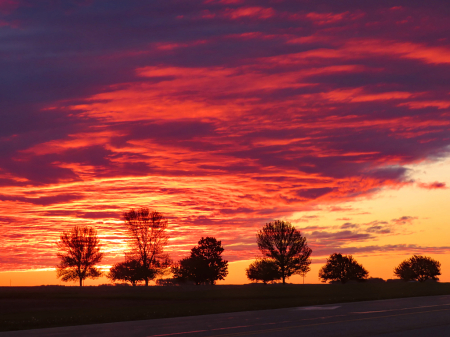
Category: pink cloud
[432,186]
[256,12]
[404,220]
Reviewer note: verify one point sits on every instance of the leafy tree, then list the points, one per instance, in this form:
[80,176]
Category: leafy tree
[148,237]
[205,264]
[129,271]
[342,268]
[418,268]
[285,245]
[264,270]
[79,251]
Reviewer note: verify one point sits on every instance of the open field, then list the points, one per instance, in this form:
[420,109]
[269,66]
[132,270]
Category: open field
[39,307]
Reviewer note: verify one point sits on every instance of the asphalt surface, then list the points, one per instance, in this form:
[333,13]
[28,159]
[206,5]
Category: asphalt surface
[412,317]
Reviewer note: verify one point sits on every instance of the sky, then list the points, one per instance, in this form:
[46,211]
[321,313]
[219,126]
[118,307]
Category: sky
[225,115]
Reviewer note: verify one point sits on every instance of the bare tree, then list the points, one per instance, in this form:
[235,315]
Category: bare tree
[148,237]
[79,251]
[285,245]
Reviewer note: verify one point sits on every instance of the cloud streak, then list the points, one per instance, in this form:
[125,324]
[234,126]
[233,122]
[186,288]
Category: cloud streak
[223,115]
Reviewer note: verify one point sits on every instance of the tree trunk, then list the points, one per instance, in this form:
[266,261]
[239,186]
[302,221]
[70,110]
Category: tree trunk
[284,279]
[146,281]
[81,282]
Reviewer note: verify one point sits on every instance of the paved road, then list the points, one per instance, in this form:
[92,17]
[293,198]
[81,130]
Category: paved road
[412,317]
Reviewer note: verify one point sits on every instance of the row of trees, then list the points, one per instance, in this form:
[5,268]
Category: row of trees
[145,260]
[286,253]
[284,250]
[344,268]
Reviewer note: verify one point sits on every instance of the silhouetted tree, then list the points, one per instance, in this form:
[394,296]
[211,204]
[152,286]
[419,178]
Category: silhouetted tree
[148,237]
[342,268]
[168,282]
[129,271]
[205,264]
[264,270]
[418,268]
[286,246]
[79,251]
[375,280]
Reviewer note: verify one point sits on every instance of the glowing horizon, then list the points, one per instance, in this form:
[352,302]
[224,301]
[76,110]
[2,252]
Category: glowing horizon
[224,115]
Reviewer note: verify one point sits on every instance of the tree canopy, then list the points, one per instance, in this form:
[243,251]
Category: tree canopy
[285,245]
[79,251]
[264,270]
[418,268]
[129,271]
[148,236]
[342,268]
[204,265]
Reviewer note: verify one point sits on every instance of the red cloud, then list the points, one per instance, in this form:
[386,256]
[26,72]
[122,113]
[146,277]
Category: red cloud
[222,116]
[326,18]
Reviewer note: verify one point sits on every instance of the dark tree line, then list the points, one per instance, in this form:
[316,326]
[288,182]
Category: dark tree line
[284,250]
[146,259]
[79,252]
[344,268]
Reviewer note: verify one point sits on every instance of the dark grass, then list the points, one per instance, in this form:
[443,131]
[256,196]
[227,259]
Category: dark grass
[53,306]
